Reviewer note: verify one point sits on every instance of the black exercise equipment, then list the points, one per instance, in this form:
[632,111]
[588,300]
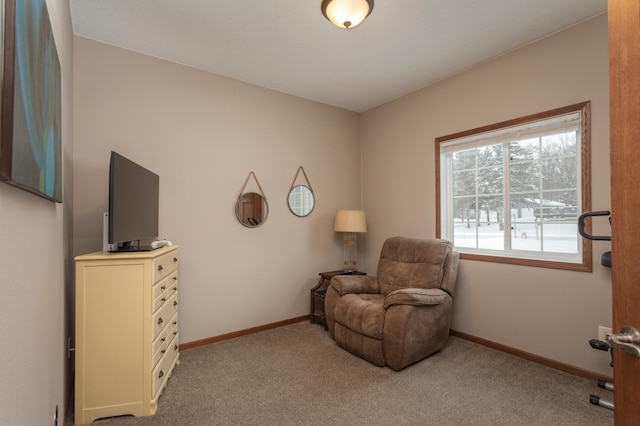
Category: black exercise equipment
[605,260]
[595,399]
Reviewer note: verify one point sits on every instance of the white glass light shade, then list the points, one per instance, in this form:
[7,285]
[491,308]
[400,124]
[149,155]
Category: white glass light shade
[346,13]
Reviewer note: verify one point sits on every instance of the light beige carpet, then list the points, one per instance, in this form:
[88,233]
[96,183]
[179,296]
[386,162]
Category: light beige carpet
[296,375]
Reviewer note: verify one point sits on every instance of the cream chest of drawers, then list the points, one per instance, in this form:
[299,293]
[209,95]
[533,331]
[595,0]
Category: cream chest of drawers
[126,332]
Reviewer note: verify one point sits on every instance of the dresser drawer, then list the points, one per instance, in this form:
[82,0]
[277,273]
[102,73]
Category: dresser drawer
[159,344]
[159,301]
[174,348]
[163,315]
[172,328]
[160,287]
[164,265]
[172,283]
[165,366]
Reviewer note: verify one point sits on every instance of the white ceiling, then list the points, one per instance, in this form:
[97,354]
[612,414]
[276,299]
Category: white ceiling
[289,46]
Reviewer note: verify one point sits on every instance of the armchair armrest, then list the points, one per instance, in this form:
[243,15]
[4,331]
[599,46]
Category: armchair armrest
[416,297]
[345,284]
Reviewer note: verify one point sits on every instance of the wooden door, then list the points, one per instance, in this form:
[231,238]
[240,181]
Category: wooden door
[624,74]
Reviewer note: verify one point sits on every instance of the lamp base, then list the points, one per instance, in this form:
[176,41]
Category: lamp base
[350,253]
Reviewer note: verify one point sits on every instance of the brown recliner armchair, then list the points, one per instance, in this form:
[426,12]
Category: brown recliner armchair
[403,314]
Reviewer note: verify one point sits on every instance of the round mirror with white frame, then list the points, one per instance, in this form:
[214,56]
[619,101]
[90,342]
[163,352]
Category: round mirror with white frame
[301,200]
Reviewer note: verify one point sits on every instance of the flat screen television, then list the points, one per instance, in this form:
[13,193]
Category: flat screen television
[133,205]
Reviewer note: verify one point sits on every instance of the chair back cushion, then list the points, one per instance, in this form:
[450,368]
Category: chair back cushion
[412,263]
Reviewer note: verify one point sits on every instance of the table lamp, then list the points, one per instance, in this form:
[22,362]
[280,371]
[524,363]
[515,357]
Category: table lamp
[350,222]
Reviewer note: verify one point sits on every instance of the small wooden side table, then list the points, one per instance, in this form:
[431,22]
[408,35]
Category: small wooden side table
[318,293]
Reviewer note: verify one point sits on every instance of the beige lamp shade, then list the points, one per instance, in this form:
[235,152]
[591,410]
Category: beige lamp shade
[350,221]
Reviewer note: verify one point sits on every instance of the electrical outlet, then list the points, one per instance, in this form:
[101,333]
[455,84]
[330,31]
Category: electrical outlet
[602,332]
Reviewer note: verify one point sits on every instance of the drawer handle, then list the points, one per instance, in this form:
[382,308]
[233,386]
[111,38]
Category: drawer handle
[175,303]
[175,347]
[163,351]
[175,333]
[163,339]
[160,321]
[164,299]
[175,289]
[164,287]
[175,278]
[160,374]
[175,259]
[175,322]
[160,268]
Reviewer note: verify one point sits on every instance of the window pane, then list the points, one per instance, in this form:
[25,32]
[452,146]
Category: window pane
[559,144]
[464,183]
[464,233]
[490,180]
[525,235]
[464,160]
[559,164]
[464,209]
[465,236]
[559,237]
[490,223]
[559,173]
[523,207]
[524,176]
[491,209]
[562,199]
[527,149]
[490,155]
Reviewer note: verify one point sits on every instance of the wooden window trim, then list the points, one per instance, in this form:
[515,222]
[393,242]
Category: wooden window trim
[585,153]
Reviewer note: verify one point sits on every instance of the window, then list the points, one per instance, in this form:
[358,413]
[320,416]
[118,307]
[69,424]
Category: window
[512,192]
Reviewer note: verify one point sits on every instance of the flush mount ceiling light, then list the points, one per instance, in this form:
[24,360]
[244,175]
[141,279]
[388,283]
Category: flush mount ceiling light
[346,13]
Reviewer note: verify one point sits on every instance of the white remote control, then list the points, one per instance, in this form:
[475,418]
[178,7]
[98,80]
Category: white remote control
[161,243]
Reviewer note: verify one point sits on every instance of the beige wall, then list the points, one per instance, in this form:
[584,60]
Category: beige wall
[203,134]
[546,312]
[36,237]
